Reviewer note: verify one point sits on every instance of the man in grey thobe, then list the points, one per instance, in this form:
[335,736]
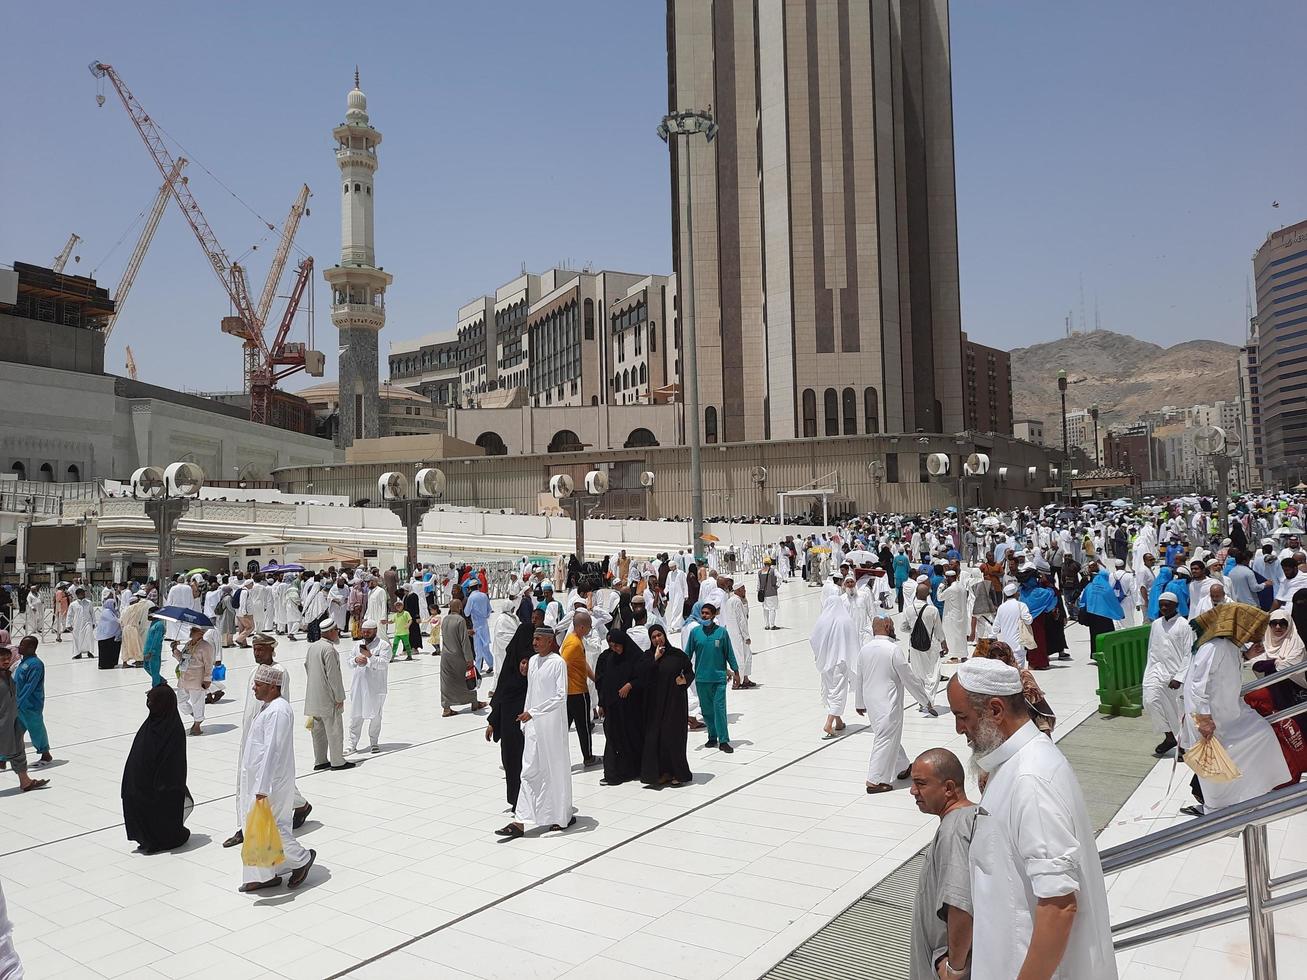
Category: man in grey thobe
[324,699]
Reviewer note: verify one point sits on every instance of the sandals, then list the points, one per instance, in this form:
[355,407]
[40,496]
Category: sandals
[569,823]
[880,788]
[447,713]
[255,886]
[234,839]
[511,830]
[830,735]
[299,874]
[36,784]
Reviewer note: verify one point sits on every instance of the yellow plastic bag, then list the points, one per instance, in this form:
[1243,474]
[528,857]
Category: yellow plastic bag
[1211,761]
[262,846]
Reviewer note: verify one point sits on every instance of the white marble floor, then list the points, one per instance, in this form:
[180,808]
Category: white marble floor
[721,878]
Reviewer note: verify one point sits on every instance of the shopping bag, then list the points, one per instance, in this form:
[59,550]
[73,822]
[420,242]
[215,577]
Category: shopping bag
[262,846]
[219,672]
[1211,761]
[472,677]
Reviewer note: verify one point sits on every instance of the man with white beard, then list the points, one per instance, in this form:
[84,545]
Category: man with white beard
[957,624]
[1170,641]
[1039,900]
[369,670]
[264,647]
[878,674]
[835,641]
[927,645]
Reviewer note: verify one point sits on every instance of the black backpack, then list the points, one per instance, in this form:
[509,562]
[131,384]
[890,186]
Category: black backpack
[920,638]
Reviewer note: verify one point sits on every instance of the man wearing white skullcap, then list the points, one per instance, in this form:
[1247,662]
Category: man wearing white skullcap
[928,644]
[1007,621]
[1036,882]
[268,773]
[324,698]
[369,666]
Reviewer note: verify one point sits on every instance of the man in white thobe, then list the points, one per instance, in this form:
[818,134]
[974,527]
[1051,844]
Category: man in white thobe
[1170,642]
[1213,706]
[1012,612]
[181,595]
[957,621]
[677,586]
[376,610]
[545,798]
[268,772]
[264,648]
[369,669]
[279,588]
[1037,890]
[925,663]
[82,615]
[324,699]
[878,674]
[835,641]
[735,618]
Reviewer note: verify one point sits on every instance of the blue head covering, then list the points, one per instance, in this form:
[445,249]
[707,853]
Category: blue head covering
[1039,599]
[1100,598]
[901,568]
[1159,586]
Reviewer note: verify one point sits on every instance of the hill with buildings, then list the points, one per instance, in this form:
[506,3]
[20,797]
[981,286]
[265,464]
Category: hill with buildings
[1124,376]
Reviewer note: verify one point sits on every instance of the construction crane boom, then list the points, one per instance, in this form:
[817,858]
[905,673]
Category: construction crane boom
[229,273]
[61,259]
[131,364]
[283,250]
[142,245]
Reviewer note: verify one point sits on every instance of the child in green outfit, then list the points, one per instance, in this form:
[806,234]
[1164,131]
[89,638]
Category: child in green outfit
[399,623]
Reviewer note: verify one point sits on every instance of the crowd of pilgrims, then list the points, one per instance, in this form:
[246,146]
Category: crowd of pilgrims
[647,648]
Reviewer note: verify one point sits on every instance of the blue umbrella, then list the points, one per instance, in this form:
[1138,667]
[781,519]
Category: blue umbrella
[180,614]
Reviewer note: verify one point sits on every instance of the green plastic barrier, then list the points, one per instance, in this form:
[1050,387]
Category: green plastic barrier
[1121,657]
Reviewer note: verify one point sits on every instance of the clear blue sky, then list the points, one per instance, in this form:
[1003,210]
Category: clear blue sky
[1138,146]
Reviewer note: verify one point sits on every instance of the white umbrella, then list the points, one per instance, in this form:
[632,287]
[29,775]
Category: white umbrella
[991,521]
[860,557]
[1122,502]
[1284,532]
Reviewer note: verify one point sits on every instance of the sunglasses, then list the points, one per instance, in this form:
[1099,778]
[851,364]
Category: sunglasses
[1279,624]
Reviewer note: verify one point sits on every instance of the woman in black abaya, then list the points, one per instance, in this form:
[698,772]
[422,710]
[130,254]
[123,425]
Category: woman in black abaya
[620,678]
[667,713]
[156,802]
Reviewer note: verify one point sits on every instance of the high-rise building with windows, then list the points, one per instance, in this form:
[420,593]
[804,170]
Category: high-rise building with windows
[823,220]
[1280,277]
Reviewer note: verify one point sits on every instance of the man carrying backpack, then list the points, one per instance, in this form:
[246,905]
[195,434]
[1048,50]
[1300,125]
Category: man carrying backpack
[925,631]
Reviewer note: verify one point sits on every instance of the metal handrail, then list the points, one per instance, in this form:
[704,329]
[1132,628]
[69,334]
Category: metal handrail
[1271,679]
[1249,819]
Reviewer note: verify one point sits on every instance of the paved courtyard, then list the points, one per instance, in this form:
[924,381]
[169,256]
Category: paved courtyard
[721,878]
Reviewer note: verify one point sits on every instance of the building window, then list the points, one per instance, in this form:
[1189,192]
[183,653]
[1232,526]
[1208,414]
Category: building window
[850,401]
[347,188]
[356,188]
[710,424]
[809,414]
[626,380]
[870,411]
[589,319]
[832,412]
[653,337]
[892,468]
[644,374]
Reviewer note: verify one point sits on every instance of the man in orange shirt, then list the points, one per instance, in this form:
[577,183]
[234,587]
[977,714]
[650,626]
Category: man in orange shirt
[578,692]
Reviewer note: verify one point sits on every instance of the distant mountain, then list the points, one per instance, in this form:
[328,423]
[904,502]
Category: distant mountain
[1124,376]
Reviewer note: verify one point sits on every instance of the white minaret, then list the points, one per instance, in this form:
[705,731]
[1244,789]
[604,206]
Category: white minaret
[358,287]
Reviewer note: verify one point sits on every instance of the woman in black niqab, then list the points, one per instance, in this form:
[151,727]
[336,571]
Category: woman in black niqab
[156,802]
[620,678]
[667,713]
[691,588]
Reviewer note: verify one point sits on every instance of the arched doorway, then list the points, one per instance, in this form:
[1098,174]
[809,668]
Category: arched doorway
[639,439]
[18,469]
[565,441]
[47,473]
[492,443]
[74,474]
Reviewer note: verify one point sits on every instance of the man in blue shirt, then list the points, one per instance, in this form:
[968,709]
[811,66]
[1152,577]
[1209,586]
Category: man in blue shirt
[478,613]
[29,681]
[709,648]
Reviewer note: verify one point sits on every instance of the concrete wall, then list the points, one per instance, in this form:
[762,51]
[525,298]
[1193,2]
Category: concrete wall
[53,345]
[529,430]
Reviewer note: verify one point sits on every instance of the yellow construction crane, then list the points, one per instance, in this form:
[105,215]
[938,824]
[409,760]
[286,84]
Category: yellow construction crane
[142,244]
[131,364]
[61,259]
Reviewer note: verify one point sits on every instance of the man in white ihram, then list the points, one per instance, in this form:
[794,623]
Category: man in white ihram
[268,772]
[834,641]
[1170,642]
[926,645]
[1007,621]
[953,596]
[545,798]
[369,667]
[878,675]
[1037,888]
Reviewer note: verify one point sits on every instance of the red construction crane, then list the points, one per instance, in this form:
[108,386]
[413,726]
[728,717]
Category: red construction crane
[262,362]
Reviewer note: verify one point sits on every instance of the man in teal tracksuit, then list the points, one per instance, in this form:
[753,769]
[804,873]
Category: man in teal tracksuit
[709,648]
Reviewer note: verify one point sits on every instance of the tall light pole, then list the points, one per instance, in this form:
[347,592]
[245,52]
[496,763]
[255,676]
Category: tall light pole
[686,125]
[1066,452]
[167,494]
[1093,414]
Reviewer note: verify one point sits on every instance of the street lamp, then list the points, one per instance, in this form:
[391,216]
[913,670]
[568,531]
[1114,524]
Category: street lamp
[685,125]
[1093,414]
[1066,452]
[167,494]
[395,490]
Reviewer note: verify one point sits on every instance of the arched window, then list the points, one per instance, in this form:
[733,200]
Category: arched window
[565,441]
[74,474]
[617,382]
[710,424]
[589,307]
[347,188]
[47,473]
[357,188]
[809,414]
[640,438]
[626,380]
[870,411]
[18,469]
[594,399]
[850,405]
[644,374]
[369,190]
[492,443]
[831,405]
[653,337]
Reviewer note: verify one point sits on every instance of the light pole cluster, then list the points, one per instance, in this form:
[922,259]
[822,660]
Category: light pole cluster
[685,125]
[397,492]
[167,494]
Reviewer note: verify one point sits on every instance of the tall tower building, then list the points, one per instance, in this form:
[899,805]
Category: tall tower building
[358,286]
[825,279]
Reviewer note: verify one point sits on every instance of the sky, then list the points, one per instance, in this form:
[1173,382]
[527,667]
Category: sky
[1126,152]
